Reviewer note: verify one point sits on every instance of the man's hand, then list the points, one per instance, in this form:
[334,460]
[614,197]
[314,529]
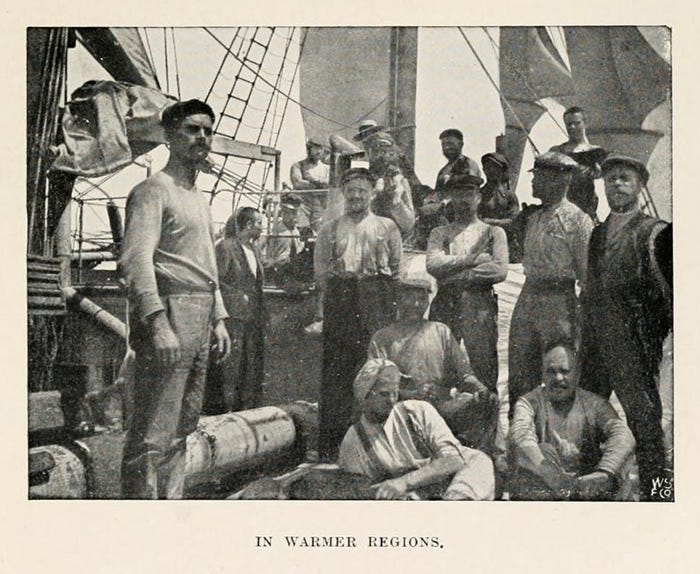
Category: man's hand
[165,341]
[429,392]
[567,450]
[590,486]
[222,347]
[486,396]
[394,489]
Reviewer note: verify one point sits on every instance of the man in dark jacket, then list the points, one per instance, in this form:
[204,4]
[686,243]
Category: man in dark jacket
[236,384]
[628,312]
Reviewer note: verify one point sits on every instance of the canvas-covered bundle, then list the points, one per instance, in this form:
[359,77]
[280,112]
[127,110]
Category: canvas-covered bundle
[106,125]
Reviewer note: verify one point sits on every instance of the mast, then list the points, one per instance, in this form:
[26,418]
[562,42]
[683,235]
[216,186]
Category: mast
[401,112]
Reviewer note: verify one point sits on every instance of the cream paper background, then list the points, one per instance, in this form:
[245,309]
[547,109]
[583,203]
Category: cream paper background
[212,536]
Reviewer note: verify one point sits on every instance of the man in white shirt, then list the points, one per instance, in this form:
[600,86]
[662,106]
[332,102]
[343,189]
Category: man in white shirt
[356,260]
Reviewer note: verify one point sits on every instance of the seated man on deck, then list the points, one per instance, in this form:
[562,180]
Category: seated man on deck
[437,368]
[406,447]
[284,245]
[567,443]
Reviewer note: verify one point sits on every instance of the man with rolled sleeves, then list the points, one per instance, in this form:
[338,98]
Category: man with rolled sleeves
[174,303]
[627,312]
[555,256]
[436,368]
[356,262]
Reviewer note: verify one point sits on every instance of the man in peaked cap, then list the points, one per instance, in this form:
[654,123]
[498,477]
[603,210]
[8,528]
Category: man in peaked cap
[628,312]
[467,257]
[285,242]
[312,173]
[555,257]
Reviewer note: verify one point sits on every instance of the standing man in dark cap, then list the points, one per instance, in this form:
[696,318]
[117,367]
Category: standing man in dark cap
[452,142]
[308,174]
[356,261]
[628,312]
[467,257]
[174,304]
[555,256]
[499,204]
[434,209]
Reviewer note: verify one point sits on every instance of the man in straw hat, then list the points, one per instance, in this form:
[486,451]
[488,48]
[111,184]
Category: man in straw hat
[406,447]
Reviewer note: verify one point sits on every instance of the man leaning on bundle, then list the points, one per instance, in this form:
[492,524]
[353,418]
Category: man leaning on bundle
[567,443]
[406,447]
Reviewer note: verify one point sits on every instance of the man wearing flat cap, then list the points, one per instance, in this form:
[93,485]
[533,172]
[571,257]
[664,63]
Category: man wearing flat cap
[356,261]
[436,367]
[452,142]
[175,304]
[312,173]
[406,448]
[467,257]
[285,243]
[435,208]
[628,309]
[555,257]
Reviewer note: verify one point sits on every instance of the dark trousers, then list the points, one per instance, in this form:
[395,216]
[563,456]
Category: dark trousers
[472,316]
[613,359]
[353,310]
[540,316]
[167,401]
[237,383]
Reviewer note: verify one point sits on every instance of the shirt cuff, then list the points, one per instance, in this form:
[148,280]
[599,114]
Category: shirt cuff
[219,307]
[147,305]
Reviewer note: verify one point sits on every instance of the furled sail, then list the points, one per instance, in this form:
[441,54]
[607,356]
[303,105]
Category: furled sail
[122,53]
